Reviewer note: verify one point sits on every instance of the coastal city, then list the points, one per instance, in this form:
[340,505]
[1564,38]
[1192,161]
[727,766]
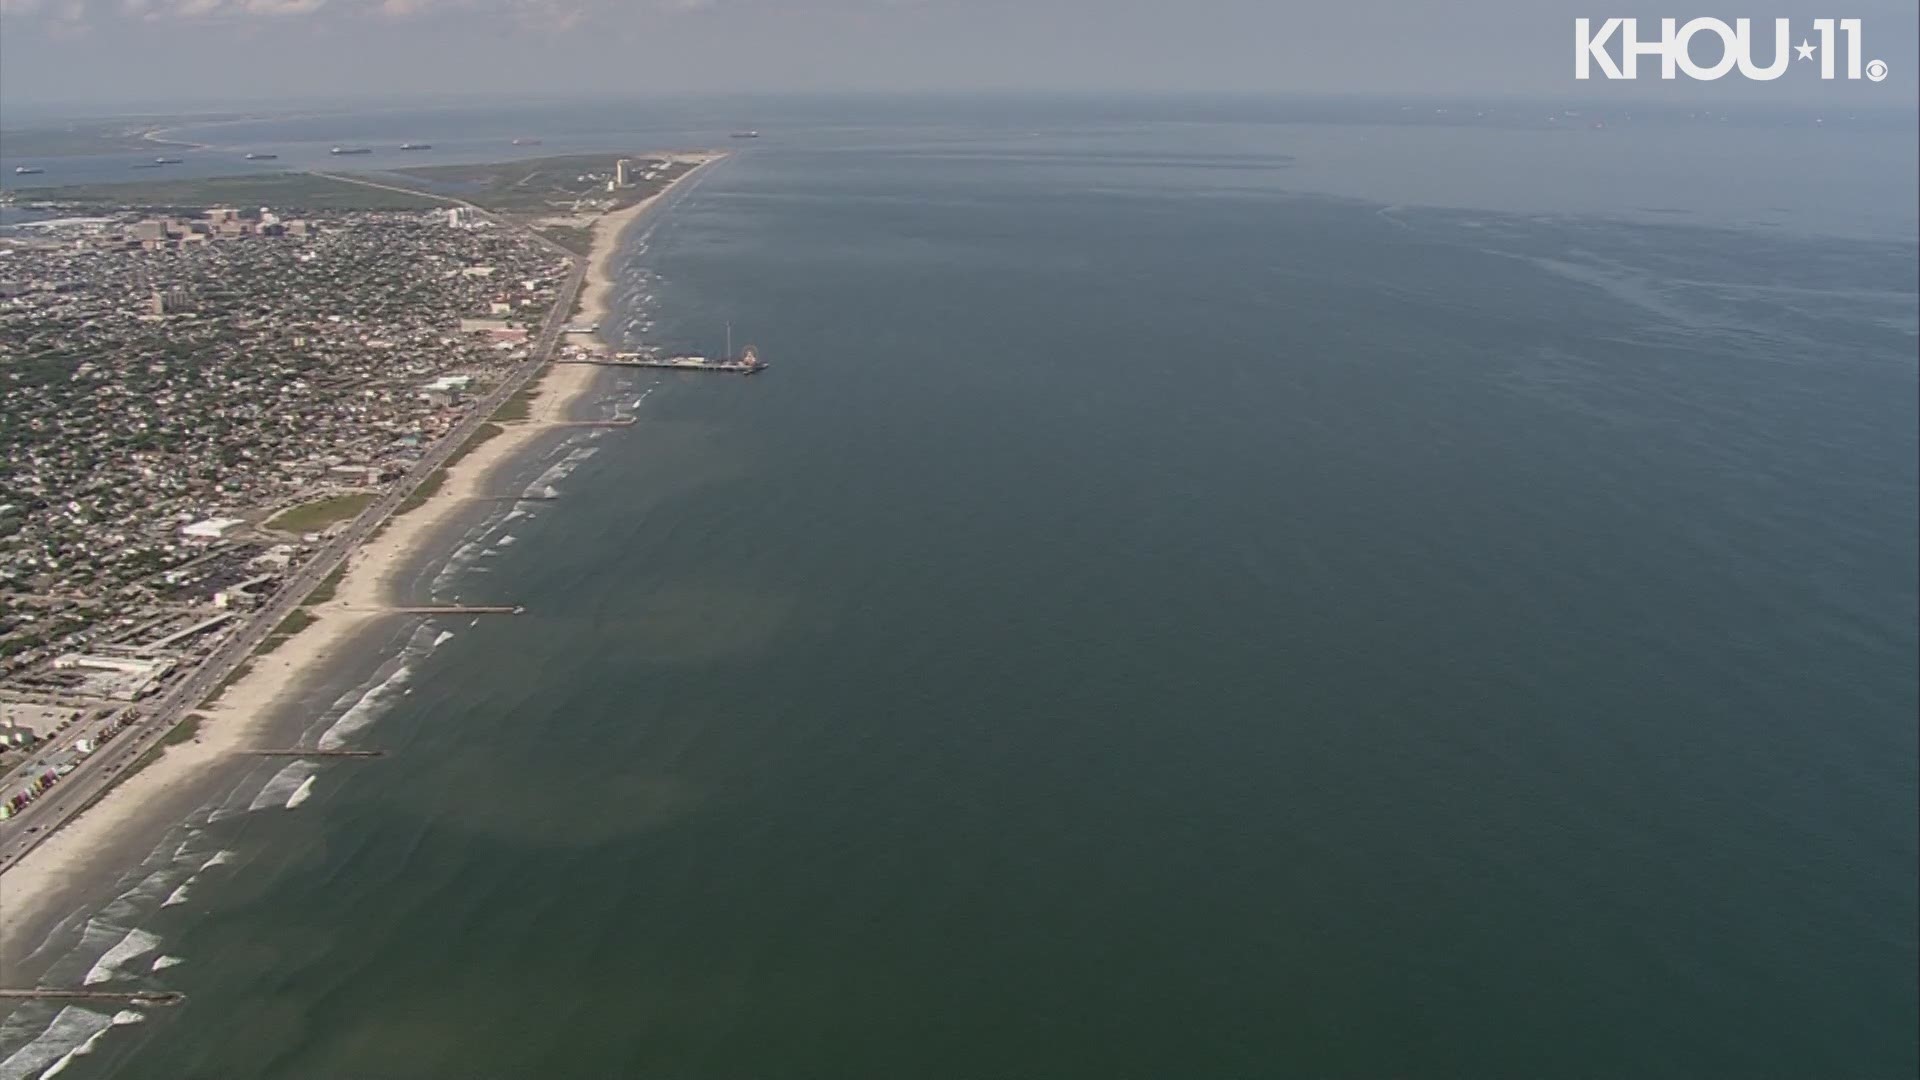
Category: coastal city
[235,406]
[1060,540]
[196,405]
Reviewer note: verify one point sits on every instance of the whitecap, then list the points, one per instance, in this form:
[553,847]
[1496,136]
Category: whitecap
[137,943]
[284,783]
[367,709]
[563,468]
[72,1028]
[302,795]
[82,1050]
[151,886]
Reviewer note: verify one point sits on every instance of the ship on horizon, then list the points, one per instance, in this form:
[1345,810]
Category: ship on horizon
[746,134]
[350,150]
[262,157]
[166,161]
[416,146]
[27,170]
[526,142]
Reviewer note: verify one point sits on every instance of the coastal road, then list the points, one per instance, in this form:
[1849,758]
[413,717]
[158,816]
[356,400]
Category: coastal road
[95,774]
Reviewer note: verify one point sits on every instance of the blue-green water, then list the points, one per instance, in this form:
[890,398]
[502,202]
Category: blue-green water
[1154,620]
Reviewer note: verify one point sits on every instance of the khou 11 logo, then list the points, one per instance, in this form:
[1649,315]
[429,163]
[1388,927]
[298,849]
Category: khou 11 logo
[1590,49]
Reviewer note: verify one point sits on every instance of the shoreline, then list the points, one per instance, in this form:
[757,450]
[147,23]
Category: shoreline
[610,229]
[233,721]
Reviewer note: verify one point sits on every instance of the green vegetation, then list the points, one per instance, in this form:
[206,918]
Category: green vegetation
[517,407]
[239,672]
[304,191]
[141,762]
[572,237]
[480,435]
[289,626]
[421,494]
[543,185]
[315,516]
[431,485]
[182,732]
[324,591]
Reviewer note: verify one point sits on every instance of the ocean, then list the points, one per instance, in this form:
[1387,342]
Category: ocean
[1201,592]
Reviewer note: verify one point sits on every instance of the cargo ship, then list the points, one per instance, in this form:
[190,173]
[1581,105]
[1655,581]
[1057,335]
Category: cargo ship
[166,161]
[350,150]
[26,170]
[746,134]
[416,146]
[262,157]
[526,142]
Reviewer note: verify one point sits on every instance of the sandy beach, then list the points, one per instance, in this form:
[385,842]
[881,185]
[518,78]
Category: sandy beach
[608,229]
[234,721]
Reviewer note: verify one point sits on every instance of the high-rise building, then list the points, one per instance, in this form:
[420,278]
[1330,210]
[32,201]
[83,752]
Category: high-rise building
[172,301]
[621,173]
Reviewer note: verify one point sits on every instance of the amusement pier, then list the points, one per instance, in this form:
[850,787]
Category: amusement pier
[747,363]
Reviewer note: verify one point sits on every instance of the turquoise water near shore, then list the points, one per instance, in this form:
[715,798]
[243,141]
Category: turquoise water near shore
[1152,620]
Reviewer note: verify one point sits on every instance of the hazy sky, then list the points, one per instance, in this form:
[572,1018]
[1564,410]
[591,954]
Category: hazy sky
[161,52]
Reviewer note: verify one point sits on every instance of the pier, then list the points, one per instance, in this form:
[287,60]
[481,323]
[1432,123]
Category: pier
[458,609]
[443,609]
[747,363]
[546,494]
[100,997]
[671,363]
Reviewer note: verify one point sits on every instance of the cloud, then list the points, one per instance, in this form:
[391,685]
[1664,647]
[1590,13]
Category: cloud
[551,15]
[284,7]
[75,10]
[64,18]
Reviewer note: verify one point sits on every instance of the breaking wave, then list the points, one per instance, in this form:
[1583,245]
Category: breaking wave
[282,786]
[367,709]
[137,943]
[304,793]
[72,1034]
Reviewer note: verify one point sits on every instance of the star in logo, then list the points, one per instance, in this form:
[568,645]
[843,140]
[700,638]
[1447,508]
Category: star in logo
[1805,50]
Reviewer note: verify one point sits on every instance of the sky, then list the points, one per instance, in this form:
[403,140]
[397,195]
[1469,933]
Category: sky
[157,54]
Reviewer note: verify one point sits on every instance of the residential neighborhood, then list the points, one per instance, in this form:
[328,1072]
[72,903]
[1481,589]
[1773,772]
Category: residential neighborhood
[193,404]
